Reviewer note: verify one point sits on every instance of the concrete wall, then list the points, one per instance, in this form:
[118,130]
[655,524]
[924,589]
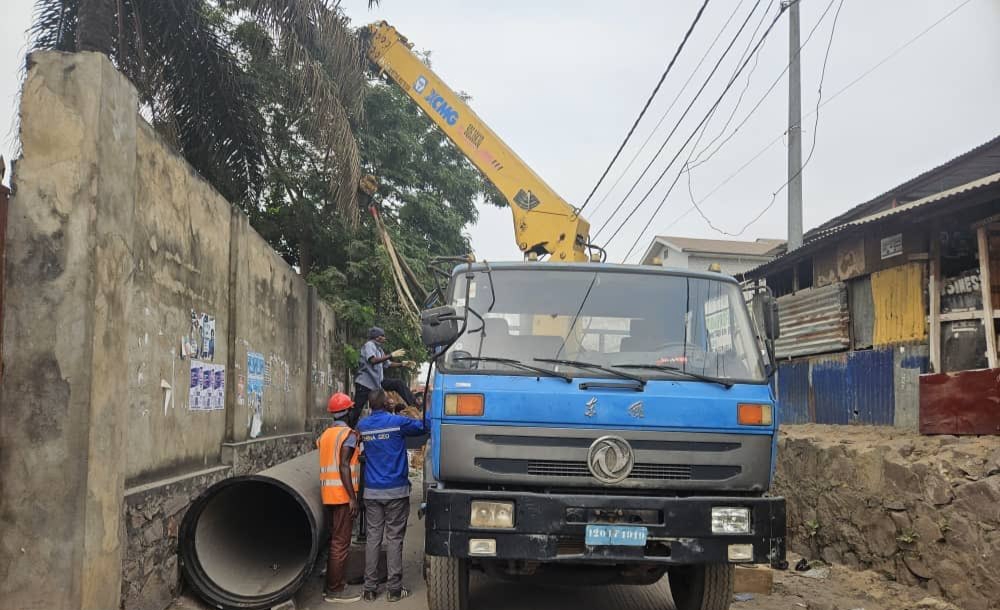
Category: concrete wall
[114,245]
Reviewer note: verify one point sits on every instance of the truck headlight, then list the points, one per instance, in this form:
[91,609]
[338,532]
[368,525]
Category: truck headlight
[492,515]
[730,520]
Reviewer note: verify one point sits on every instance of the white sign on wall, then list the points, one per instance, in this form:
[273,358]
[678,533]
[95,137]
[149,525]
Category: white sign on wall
[892,246]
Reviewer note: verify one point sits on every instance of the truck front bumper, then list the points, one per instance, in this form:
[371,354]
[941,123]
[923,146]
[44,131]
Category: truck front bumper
[551,527]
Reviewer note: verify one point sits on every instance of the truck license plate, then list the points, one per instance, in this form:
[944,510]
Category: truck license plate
[616,535]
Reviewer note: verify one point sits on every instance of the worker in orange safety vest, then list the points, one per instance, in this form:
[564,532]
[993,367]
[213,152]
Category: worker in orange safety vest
[339,473]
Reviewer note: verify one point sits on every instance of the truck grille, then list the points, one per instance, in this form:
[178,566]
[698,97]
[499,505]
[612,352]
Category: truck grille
[578,469]
[657,472]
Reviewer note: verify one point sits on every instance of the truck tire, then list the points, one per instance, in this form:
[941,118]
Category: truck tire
[702,587]
[447,583]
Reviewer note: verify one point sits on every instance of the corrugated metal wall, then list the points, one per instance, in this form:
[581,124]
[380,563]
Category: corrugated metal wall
[793,392]
[898,296]
[814,321]
[850,388]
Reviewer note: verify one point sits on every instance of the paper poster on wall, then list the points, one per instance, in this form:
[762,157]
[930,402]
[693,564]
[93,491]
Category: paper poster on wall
[207,387]
[255,392]
[207,337]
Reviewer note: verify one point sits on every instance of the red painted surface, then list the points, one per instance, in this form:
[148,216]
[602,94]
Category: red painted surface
[966,402]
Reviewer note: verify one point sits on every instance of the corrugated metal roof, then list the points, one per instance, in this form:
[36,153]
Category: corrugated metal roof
[759,247]
[970,165]
[822,236]
[968,187]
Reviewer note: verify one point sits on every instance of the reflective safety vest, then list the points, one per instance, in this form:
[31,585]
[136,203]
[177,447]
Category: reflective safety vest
[331,486]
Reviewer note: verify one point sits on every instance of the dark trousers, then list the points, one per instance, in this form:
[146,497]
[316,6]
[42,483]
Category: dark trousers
[385,518]
[361,394]
[360,400]
[340,546]
[399,387]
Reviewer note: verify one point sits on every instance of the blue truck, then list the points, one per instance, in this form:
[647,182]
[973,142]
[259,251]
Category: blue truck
[599,424]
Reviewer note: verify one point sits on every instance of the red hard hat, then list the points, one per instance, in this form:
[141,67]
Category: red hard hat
[339,402]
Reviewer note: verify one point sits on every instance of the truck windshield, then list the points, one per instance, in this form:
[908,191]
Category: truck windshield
[614,319]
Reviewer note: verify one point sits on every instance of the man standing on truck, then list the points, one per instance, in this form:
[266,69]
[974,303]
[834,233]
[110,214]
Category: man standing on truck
[339,473]
[387,492]
[371,373]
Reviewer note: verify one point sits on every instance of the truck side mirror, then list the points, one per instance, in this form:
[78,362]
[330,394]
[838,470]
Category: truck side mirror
[769,316]
[439,327]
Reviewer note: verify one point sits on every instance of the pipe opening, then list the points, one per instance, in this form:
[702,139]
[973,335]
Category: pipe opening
[253,539]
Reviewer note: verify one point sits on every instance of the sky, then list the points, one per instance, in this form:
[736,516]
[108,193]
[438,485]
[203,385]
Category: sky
[563,81]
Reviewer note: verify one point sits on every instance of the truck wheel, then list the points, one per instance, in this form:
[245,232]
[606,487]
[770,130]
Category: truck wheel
[702,587]
[447,583]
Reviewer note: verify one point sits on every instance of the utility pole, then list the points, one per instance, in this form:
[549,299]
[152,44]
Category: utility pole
[794,130]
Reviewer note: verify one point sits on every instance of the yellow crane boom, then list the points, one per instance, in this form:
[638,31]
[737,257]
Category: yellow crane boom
[544,223]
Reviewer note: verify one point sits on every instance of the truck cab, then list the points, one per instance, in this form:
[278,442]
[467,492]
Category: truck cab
[598,424]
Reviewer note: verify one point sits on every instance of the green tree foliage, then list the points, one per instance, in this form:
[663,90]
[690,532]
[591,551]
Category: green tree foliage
[181,57]
[428,193]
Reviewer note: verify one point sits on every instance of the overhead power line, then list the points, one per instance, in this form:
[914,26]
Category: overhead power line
[649,101]
[701,161]
[677,125]
[666,112]
[838,93]
[680,150]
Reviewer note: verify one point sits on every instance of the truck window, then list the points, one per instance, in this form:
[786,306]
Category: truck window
[608,317]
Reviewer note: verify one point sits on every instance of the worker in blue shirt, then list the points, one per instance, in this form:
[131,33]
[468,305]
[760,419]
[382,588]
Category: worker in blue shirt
[387,492]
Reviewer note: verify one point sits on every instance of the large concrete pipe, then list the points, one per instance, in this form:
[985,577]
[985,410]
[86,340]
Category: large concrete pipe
[250,542]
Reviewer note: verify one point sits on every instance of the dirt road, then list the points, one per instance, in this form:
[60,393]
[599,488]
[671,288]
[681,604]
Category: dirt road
[823,588]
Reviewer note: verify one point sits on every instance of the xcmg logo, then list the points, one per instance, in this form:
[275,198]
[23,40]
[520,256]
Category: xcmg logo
[442,107]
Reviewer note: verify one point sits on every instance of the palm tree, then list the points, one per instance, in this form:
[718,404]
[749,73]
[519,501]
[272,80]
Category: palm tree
[197,92]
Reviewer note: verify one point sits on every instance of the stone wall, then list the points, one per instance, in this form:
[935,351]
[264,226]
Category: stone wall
[921,510]
[126,274]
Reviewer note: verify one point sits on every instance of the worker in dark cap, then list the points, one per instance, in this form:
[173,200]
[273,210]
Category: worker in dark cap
[371,373]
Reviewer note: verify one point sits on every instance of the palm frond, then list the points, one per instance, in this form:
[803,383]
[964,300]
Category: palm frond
[318,46]
[187,71]
[54,25]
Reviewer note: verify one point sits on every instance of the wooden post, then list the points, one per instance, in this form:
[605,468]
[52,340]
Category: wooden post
[934,295]
[984,281]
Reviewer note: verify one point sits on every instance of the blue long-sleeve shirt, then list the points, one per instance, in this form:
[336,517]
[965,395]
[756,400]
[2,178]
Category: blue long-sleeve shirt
[386,467]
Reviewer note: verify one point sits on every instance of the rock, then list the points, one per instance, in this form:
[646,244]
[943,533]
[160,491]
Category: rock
[743,597]
[993,463]
[136,520]
[915,565]
[817,573]
[153,533]
[937,491]
[933,603]
[175,504]
[894,504]
[981,498]
[927,530]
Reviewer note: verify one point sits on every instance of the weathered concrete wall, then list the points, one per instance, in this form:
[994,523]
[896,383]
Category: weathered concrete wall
[922,510]
[125,272]
[68,276]
[271,319]
[181,265]
[325,377]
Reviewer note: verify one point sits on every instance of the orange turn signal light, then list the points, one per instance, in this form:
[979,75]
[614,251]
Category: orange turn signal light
[754,415]
[464,404]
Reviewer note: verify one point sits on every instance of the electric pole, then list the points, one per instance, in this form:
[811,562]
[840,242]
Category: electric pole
[794,130]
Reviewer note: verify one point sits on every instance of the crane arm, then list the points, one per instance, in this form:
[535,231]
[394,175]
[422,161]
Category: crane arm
[544,223]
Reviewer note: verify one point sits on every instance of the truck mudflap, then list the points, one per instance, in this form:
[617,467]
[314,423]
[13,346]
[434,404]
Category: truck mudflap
[553,528]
